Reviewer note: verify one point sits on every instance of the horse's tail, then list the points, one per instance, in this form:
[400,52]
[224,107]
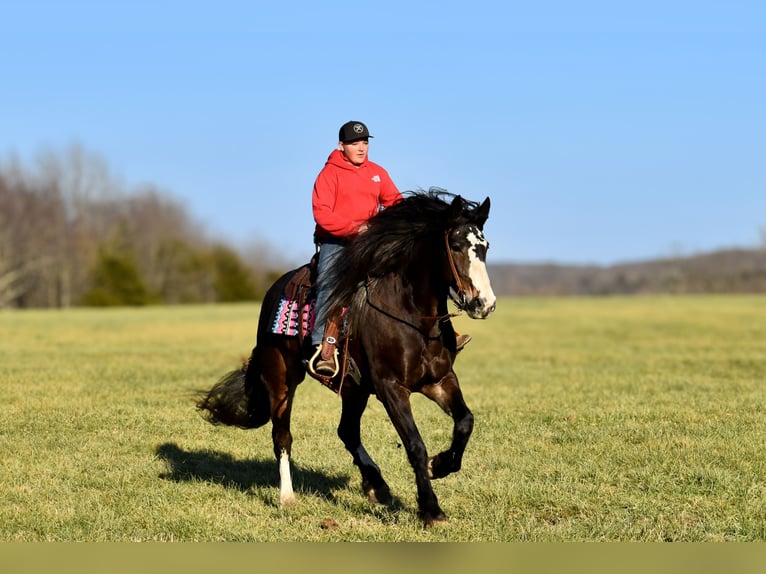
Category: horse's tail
[239,398]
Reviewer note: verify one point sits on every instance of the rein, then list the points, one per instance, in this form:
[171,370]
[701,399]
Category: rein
[440,318]
[398,319]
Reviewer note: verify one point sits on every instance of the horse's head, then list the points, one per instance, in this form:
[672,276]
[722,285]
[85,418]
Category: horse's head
[467,253]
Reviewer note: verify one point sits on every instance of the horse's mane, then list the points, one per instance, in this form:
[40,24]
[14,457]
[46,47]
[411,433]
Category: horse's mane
[387,246]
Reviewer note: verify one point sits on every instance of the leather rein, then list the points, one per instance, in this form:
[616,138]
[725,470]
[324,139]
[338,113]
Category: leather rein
[459,302]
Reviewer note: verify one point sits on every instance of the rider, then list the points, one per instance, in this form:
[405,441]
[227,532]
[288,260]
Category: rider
[347,192]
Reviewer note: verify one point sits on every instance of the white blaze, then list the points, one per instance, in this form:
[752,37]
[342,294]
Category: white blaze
[477,272]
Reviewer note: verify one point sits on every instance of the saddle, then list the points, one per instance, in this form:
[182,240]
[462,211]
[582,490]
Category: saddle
[294,316]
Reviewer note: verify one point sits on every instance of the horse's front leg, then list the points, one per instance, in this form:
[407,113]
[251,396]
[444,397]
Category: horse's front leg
[349,431]
[396,400]
[446,393]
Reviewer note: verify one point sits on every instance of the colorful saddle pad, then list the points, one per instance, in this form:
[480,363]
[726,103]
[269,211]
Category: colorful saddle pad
[291,319]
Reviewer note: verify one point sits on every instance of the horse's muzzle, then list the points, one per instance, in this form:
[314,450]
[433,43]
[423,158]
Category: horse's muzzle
[479,308]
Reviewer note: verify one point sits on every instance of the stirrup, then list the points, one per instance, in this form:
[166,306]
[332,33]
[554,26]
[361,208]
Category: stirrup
[316,358]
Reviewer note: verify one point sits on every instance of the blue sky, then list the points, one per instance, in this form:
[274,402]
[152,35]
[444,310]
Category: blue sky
[602,131]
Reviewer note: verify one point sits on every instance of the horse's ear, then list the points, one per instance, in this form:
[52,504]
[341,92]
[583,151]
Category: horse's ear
[482,213]
[456,208]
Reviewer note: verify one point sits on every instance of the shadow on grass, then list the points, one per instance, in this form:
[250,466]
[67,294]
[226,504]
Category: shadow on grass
[221,468]
[242,475]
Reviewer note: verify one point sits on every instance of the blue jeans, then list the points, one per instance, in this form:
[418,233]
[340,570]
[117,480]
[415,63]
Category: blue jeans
[328,251]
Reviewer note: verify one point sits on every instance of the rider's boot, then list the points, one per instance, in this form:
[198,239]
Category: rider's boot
[461,341]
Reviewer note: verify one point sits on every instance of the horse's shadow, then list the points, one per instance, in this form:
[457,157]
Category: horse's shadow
[243,475]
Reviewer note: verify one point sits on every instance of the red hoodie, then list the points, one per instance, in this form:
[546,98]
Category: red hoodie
[346,196]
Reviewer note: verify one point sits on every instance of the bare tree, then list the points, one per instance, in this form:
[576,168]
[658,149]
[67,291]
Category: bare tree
[30,224]
[66,222]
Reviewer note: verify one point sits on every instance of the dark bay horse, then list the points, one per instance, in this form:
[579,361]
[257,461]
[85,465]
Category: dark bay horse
[394,283]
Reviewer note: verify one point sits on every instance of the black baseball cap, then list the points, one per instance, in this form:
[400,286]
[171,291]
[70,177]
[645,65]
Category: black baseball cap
[353,131]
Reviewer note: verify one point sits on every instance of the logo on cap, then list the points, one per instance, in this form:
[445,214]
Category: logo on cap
[358,128]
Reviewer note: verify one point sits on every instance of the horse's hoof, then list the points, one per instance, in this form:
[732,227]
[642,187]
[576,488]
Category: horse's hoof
[380,495]
[438,469]
[287,499]
[435,470]
[431,520]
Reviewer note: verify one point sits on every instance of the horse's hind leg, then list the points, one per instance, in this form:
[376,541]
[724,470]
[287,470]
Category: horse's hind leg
[349,431]
[283,441]
[448,396]
[277,377]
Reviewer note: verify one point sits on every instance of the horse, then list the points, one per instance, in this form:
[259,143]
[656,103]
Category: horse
[393,285]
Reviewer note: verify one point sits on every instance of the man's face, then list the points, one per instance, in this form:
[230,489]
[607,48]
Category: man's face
[355,152]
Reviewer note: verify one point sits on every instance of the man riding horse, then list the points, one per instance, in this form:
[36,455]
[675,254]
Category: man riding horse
[347,192]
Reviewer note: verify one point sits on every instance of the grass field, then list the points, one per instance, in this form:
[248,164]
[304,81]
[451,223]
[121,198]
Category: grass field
[596,419]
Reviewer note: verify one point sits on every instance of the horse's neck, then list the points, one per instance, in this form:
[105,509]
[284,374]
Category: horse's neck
[426,296]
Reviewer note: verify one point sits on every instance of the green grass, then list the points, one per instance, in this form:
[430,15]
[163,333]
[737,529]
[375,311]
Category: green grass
[596,419]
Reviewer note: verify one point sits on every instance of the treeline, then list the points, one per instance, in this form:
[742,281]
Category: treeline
[723,271]
[71,234]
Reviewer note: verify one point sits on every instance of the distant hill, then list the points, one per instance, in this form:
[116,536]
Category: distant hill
[724,271]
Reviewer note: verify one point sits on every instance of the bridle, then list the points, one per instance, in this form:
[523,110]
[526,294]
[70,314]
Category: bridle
[460,300]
